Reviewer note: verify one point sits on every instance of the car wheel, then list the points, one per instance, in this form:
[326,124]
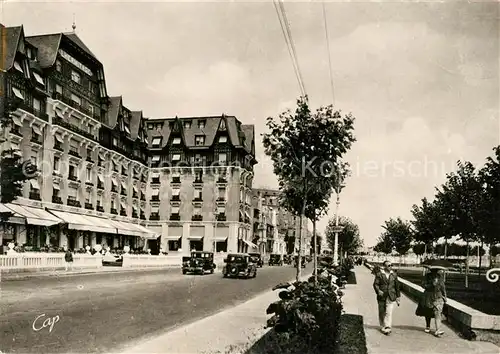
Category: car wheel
[211,271]
[184,271]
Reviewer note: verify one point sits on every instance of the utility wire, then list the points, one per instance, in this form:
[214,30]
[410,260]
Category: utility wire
[289,32]
[329,54]
[285,32]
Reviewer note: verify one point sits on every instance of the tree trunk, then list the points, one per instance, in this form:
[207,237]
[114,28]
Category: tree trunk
[315,254]
[480,259]
[490,257]
[445,248]
[467,265]
[299,255]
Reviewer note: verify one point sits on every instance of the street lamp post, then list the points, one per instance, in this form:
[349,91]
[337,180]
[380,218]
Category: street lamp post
[336,243]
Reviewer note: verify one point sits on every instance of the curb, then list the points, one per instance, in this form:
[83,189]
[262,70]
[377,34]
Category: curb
[62,274]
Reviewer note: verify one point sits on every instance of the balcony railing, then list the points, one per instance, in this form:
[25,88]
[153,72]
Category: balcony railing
[123,212]
[143,196]
[197,218]
[25,107]
[221,180]
[114,211]
[198,181]
[155,198]
[35,195]
[175,217]
[74,203]
[56,199]
[70,102]
[73,178]
[100,185]
[143,179]
[221,217]
[100,208]
[123,192]
[89,183]
[176,198]
[143,216]
[89,206]
[221,199]
[58,146]
[58,121]
[176,180]
[89,159]
[155,180]
[198,199]
[135,215]
[114,189]
[135,195]
[153,217]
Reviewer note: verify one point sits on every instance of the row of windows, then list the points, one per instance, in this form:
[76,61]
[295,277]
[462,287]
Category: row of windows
[199,140]
[187,124]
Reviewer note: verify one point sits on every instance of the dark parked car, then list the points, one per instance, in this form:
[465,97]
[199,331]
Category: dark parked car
[257,259]
[239,265]
[199,263]
[112,260]
[275,259]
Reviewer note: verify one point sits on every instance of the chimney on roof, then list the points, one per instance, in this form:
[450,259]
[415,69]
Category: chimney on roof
[74,24]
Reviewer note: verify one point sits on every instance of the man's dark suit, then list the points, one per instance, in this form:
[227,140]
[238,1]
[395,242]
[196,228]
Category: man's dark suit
[387,289]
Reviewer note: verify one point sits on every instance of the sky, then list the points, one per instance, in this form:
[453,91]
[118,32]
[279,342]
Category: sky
[422,79]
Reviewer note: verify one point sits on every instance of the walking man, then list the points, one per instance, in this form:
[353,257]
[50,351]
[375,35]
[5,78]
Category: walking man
[68,257]
[386,287]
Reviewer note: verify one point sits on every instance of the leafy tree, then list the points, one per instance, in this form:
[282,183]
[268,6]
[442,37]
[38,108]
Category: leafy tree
[460,198]
[384,244]
[400,233]
[349,238]
[306,149]
[489,210]
[419,249]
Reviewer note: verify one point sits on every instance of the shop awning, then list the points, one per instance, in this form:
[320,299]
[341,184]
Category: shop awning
[14,218]
[131,229]
[35,216]
[85,222]
[250,244]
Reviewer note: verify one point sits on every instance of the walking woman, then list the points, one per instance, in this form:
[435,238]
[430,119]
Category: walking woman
[432,302]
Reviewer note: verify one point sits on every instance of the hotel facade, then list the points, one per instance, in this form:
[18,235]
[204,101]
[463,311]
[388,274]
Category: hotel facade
[107,174]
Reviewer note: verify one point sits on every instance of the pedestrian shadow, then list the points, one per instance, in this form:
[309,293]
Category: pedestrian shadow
[406,328]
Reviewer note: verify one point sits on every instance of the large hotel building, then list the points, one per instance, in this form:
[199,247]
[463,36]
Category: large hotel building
[108,175]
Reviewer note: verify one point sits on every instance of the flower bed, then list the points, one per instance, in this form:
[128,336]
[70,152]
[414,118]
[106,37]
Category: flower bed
[351,337]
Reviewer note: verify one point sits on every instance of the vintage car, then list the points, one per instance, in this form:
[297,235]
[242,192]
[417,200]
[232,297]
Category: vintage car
[239,265]
[257,259]
[199,263]
[275,259]
[112,260]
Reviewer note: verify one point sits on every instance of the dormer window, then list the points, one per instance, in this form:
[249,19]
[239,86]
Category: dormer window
[176,141]
[187,124]
[156,142]
[199,140]
[155,158]
[223,139]
[201,124]
[115,142]
[76,77]
[58,65]
[176,157]
[18,67]
[38,78]
[76,99]
[127,128]
[37,104]
[150,126]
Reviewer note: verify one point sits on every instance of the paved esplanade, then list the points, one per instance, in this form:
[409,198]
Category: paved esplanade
[104,311]
[408,334]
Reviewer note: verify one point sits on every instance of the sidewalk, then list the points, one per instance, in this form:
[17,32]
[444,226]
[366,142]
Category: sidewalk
[230,331]
[407,334]
[81,271]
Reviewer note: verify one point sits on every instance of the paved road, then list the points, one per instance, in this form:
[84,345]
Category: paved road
[103,312]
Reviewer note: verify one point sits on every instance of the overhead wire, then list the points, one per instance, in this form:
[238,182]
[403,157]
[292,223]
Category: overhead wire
[329,54]
[286,31]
